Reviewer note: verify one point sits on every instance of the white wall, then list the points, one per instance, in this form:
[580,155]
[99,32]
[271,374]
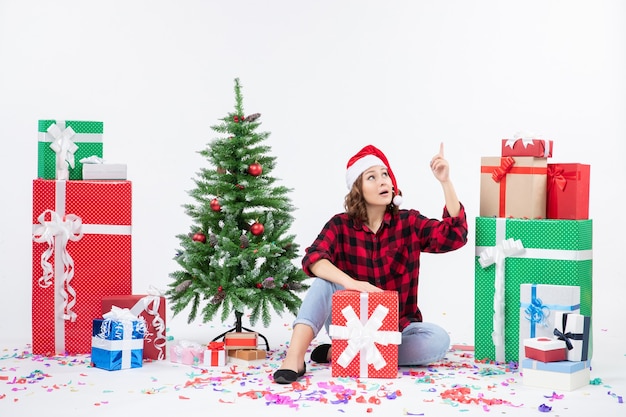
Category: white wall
[328,78]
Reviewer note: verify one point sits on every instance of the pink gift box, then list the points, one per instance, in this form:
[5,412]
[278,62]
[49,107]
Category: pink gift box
[187,353]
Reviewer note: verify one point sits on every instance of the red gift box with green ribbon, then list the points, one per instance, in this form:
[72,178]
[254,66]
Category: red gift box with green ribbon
[365,334]
[568,191]
[81,252]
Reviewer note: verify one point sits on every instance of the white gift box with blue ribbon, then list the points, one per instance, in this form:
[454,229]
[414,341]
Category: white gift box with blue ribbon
[117,342]
[539,304]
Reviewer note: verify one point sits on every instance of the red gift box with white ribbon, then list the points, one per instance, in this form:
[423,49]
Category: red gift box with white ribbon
[365,334]
[151,307]
[81,252]
[524,146]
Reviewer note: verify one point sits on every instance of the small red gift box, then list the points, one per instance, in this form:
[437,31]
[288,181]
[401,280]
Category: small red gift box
[152,309]
[545,349]
[241,340]
[81,253]
[568,191]
[364,333]
[215,355]
[539,148]
[513,187]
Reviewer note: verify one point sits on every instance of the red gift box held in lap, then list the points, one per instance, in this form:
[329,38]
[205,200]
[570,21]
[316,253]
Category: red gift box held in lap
[81,252]
[365,334]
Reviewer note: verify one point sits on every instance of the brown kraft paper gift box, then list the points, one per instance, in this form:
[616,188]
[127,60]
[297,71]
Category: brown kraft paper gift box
[513,187]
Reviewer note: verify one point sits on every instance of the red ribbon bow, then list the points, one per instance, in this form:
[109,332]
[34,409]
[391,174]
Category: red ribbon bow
[505,166]
[556,176]
[216,346]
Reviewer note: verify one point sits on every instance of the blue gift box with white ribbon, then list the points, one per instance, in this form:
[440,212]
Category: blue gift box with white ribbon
[117,344]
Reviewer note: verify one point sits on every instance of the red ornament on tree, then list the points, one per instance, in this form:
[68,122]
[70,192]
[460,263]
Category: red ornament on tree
[255,169]
[237,119]
[215,205]
[199,237]
[257,229]
[259,285]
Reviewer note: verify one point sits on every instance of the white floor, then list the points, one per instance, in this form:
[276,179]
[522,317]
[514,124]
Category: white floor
[68,386]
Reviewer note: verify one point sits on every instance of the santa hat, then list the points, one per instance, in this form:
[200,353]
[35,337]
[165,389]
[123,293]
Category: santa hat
[366,158]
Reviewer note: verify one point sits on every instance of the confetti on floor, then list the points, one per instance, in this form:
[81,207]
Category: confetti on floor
[458,384]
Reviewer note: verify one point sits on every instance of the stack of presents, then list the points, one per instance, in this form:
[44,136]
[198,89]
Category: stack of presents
[235,346]
[533,265]
[82,300]
[533,275]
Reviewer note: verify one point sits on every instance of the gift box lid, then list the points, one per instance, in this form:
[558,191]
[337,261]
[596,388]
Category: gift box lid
[566,367]
[544,343]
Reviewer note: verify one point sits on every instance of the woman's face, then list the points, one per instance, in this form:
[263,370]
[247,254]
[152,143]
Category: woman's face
[376,185]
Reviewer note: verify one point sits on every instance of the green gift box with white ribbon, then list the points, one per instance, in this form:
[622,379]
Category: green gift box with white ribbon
[63,143]
[511,252]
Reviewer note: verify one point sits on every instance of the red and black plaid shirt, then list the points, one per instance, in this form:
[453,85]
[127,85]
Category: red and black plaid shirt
[389,259]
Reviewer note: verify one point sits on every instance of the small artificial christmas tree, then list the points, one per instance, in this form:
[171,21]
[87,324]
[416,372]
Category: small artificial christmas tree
[239,253]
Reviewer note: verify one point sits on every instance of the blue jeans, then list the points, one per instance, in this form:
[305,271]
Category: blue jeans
[422,343]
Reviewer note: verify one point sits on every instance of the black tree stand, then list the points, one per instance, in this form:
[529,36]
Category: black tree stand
[238,328]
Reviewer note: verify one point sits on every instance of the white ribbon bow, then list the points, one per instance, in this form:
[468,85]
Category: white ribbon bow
[63,146]
[363,337]
[56,233]
[118,313]
[497,255]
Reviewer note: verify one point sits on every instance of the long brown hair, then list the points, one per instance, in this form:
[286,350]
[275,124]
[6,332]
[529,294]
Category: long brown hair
[355,205]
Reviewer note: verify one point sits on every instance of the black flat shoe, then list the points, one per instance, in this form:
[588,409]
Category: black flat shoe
[287,376]
[320,354]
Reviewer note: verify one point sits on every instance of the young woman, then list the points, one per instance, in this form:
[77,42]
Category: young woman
[376,246]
